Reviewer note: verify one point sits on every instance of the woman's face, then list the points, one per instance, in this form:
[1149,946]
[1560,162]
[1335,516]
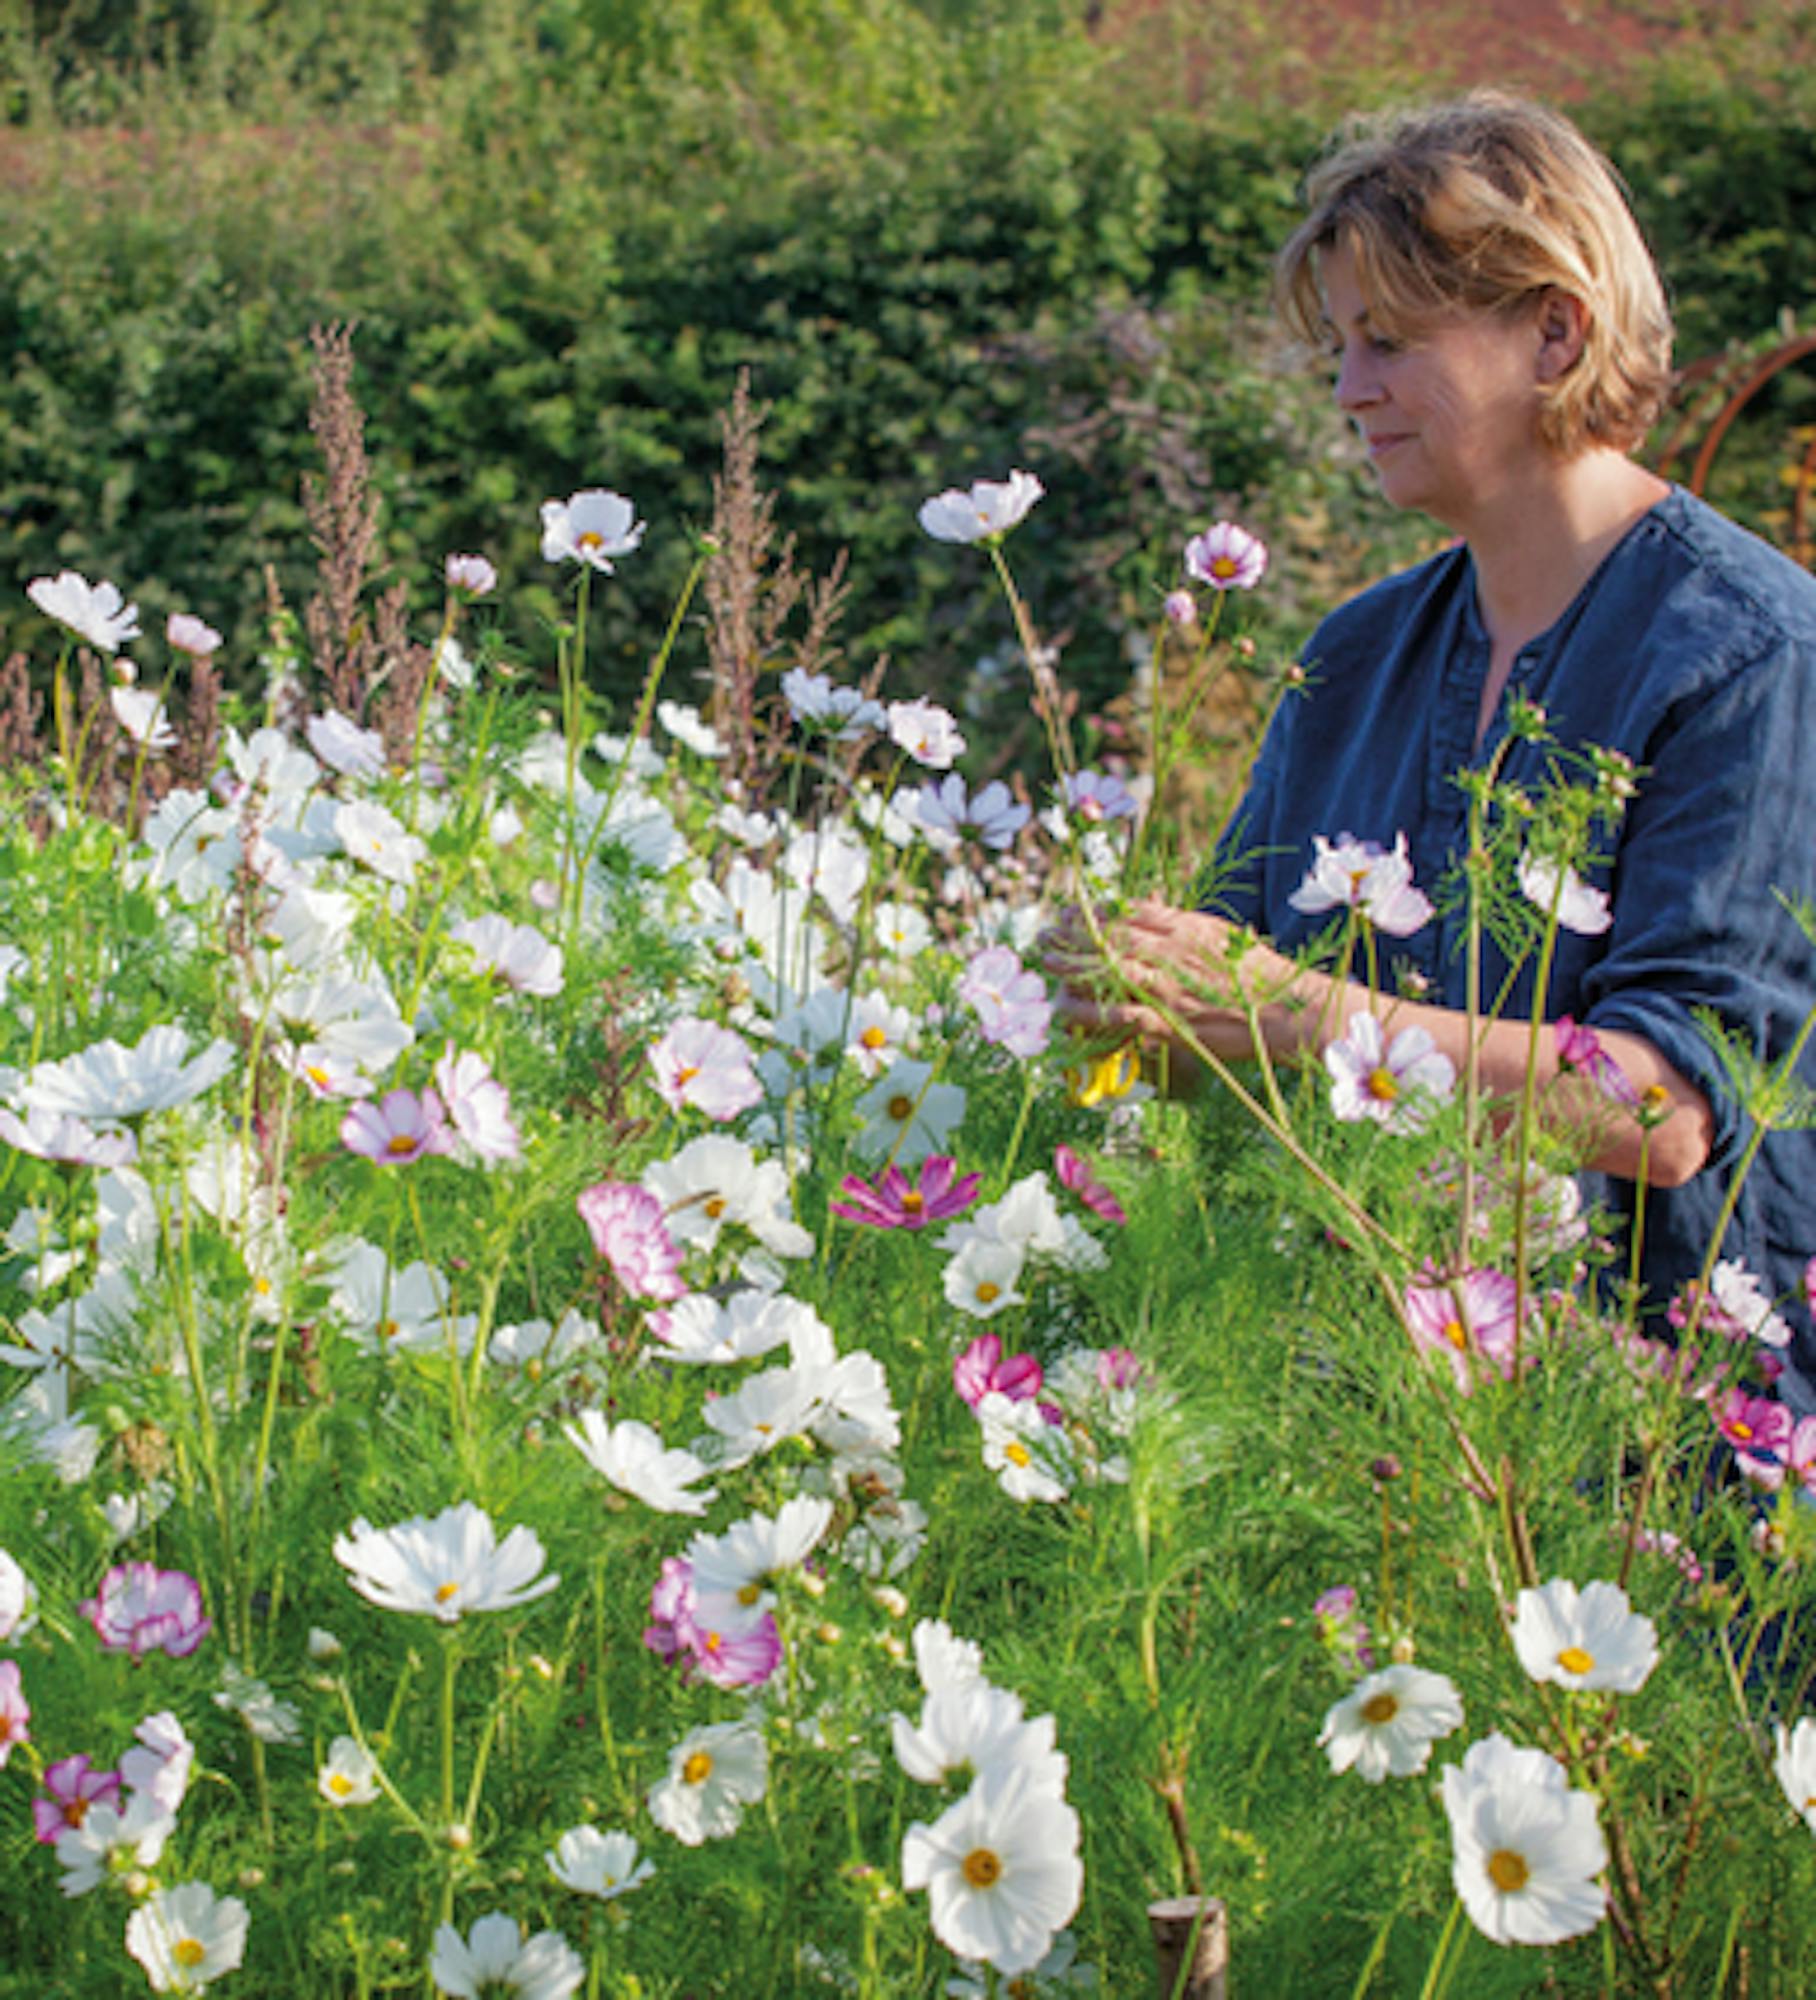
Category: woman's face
[1450,418]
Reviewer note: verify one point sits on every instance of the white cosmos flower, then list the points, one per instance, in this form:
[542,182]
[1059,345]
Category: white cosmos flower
[1795,1768]
[186,1937]
[830,862]
[1526,1849]
[683,722]
[109,1081]
[160,1761]
[270,1719]
[535,1345]
[195,844]
[1591,1639]
[93,611]
[845,712]
[731,1571]
[1027,1220]
[387,1311]
[1579,907]
[858,1415]
[700,1330]
[49,1135]
[990,508]
[1032,1459]
[379,841]
[444,1567]
[634,1459]
[927,732]
[1001,1870]
[111,1839]
[590,527]
[713,1773]
[1386,1724]
[942,1659]
[1356,874]
[906,1115]
[344,746]
[901,929]
[495,1954]
[143,717]
[18,1600]
[518,954]
[764,1412]
[598,1864]
[350,1776]
[355,1021]
[968,1725]
[981,1279]
[715,1180]
[478,1106]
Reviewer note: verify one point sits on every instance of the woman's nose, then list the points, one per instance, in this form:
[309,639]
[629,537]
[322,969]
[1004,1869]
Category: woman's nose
[1356,383]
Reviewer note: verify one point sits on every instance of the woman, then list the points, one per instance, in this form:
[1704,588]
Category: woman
[1502,344]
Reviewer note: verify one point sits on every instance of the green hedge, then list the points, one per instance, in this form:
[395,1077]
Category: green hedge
[943,239]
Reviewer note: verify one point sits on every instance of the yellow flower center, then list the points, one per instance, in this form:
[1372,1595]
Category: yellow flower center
[715,1206]
[339,1784]
[401,1144]
[1017,1453]
[686,1074]
[189,1953]
[986,1292]
[714,1642]
[697,1769]
[874,1038]
[1380,1708]
[1742,1431]
[1574,1660]
[900,1107]
[983,1868]
[749,1594]
[1508,1871]
[388,1329]
[592,539]
[1222,568]
[75,1812]
[446,1592]
[1456,1334]
[1383,1085]
[317,1076]
[913,1202]
[262,1286]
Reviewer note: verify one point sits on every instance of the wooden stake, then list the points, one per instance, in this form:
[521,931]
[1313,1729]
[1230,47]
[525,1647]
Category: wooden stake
[1192,1947]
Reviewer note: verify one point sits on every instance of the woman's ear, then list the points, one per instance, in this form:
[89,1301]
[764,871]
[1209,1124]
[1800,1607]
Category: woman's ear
[1563,328]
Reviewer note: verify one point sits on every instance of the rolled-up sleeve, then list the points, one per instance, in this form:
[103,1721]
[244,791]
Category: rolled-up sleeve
[1724,818]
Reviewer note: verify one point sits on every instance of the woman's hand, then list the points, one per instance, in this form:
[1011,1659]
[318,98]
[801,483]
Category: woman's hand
[1181,966]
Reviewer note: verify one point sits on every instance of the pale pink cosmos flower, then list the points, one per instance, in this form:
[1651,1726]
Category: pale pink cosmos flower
[1361,875]
[1011,1003]
[15,1710]
[981,1368]
[518,954]
[742,1658]
[478,1105]
[1549,886]
[1181,608]
[473,574]
[143,1609]
[708,1067]
[628,1229]
[50,1135]
[186,634]
[1226,557]
[1398,1086]
[1468,1320]
[1095,796]
[73,1788]
[1075,1173]
[1580,1048]
[401,1128]
[927,732]
[895,1202]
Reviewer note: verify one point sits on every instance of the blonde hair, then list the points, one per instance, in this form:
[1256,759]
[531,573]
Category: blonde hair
[1484,204]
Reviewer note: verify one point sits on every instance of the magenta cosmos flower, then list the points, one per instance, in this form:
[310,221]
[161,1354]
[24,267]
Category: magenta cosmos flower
[1075,1173]
[982,1368]
[627,1225]
[73,1787]
[1469,1320]
[744,1658]
[143,1609]
[400,1128]
[1580,1048]
[895,1202]
[1226,557]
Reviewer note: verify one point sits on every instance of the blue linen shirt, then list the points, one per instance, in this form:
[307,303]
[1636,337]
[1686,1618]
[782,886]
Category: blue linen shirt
[1692,649]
